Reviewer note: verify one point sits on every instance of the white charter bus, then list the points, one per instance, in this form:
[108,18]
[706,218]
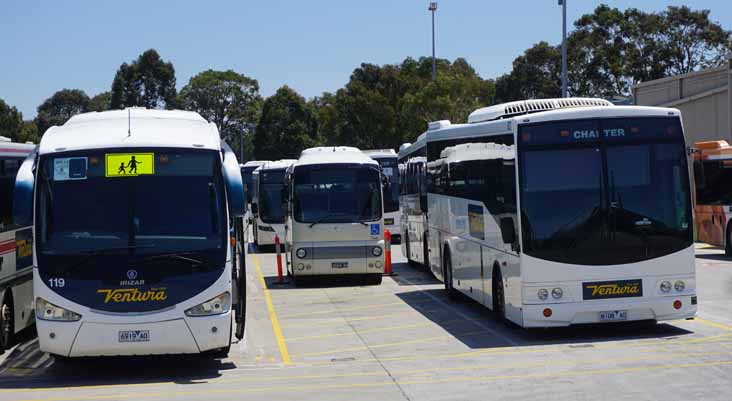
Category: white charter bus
[387,159]
[335,220]
[562,211]
[268,214]
[16,246]
[135,247]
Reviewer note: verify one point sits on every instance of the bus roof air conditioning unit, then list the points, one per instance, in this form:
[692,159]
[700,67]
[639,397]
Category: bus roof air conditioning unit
[511,109]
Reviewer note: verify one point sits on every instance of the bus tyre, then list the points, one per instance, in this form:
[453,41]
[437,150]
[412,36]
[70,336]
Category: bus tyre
[447,276]
[728,241]
[499,297]
[6,323]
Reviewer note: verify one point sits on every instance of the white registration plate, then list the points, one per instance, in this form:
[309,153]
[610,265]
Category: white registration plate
[134,336]
[613,316]
[339,265]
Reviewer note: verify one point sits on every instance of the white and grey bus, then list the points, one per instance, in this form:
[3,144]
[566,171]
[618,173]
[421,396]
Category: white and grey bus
[387,159]
[135,246]
[561,211]
[16,247]
[335,220]
[268,214]
[246,175]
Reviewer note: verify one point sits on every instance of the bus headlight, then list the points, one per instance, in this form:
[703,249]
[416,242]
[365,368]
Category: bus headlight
[542,294]
[214,306]
[680,286]
[301,253]
[48,311]
[376,251]
[665,286]
[557,293]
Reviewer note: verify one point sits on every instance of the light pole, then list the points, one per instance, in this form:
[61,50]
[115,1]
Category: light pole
[433,8]
[563,3]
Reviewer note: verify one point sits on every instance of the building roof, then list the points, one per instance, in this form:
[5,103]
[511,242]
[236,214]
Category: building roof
[333,155]
[132,127]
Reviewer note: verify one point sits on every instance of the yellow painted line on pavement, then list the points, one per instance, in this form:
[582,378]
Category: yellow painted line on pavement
[272,315]
[712,324]
[344,386]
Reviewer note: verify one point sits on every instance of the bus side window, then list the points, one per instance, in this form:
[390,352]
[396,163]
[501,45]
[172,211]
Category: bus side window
[699,179]
[8,170]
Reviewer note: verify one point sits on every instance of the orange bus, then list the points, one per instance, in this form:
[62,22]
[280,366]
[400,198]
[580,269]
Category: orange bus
[713,184]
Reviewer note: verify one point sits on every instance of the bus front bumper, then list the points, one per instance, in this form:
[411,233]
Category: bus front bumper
[566,314]
[179,336]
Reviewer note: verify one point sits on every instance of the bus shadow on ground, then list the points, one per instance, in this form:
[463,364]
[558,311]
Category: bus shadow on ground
[28,367]
[719,257]
[253,248]
[406,274]
[272,282]
[475,325]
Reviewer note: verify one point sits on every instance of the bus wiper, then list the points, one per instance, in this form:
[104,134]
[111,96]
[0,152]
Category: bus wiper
[195,263]
[322,219]
[91,253]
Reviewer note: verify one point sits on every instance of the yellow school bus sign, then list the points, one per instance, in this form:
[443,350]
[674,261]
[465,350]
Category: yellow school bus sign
[129,164]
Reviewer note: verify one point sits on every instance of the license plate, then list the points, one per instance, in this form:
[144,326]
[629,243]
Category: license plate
[613,316]
[339,265]
[134,336]
[388,222]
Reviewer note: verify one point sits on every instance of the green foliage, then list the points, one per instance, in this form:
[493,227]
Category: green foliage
[147,82]
[384,106]
[11,121]
[29,132]
[101,102]
[536,74]
[287,126]
[228,99]
[57,109]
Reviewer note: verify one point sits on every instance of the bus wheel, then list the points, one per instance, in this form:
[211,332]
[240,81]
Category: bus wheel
[499,298]
[6,323]
[728,241]
[447,275]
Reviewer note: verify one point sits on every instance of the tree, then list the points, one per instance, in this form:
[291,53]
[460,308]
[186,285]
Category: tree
[57,109]
[11,121]
[693,41]
[226,98]
[101,102]
[286,127]
[147,82]
[29,132]
[536,74]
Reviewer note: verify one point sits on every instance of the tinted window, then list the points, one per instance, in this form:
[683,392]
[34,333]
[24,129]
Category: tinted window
[271,186]
[8,170]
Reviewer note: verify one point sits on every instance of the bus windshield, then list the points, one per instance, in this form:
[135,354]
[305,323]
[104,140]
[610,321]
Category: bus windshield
[271,185]
[175,204]
[618,190]
[391,194]
[338,193]
[246,176]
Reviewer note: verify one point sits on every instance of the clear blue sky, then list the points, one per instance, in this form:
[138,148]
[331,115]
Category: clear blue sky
[312,46]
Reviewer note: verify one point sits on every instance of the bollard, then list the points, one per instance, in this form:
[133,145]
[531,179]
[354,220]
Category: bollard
[279,259]
[387,253]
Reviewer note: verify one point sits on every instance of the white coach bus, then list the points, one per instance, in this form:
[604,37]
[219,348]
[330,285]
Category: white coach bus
[562,211]
[135,246]
[268,214]
[387,159]
[335,220]
[247,169]
[16,247]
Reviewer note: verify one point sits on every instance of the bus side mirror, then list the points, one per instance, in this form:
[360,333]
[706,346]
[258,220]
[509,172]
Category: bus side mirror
[508,230]
[234,185]
[23,192]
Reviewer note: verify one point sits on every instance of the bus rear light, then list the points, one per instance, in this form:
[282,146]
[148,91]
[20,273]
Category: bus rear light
[677,304]
[547,312]
[542,294]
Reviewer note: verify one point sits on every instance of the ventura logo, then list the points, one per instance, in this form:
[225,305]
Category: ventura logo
[612,289]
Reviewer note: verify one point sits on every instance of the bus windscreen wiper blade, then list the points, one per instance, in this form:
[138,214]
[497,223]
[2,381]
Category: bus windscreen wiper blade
[181,256]
[91,253]
[322,219]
